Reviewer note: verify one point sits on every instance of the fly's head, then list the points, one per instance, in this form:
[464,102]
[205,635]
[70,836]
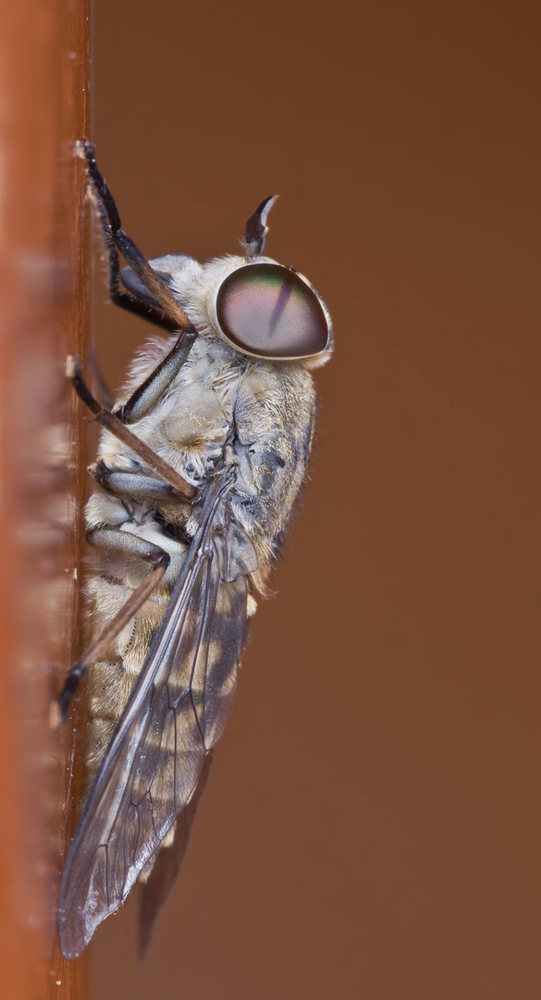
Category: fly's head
[257,306]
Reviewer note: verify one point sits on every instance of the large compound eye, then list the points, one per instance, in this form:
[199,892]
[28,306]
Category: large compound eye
[269,310]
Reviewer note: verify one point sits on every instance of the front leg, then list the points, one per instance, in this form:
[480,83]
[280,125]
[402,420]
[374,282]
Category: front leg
[118,295]
[130,251]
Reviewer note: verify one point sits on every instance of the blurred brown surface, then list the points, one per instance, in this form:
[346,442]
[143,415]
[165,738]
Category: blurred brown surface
[371,827]
[43,300]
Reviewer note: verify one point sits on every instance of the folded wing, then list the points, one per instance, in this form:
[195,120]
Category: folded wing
[176,713]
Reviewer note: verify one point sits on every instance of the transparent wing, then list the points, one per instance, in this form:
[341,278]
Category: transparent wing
[168,864]
[175,714]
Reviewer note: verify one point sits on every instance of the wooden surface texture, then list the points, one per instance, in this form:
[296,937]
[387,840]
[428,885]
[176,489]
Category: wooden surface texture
[44,70]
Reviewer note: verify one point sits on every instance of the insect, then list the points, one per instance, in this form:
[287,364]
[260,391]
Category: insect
[200,461]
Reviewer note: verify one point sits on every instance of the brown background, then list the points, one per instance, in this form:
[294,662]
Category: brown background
[371,828]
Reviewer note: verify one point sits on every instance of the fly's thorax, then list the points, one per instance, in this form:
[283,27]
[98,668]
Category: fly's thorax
[274,421]
[263,409]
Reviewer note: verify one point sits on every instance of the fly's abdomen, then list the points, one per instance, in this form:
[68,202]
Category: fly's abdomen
[110,681]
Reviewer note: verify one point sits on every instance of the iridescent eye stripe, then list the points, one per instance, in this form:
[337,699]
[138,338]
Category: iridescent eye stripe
[284,294]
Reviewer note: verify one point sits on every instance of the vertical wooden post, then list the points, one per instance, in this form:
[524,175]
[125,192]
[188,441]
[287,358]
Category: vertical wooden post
[44,72]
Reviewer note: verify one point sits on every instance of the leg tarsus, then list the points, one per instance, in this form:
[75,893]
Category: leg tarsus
[69,689]
[100,385]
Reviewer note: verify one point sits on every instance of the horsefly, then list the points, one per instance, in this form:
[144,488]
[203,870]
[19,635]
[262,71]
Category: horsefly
[189,511]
